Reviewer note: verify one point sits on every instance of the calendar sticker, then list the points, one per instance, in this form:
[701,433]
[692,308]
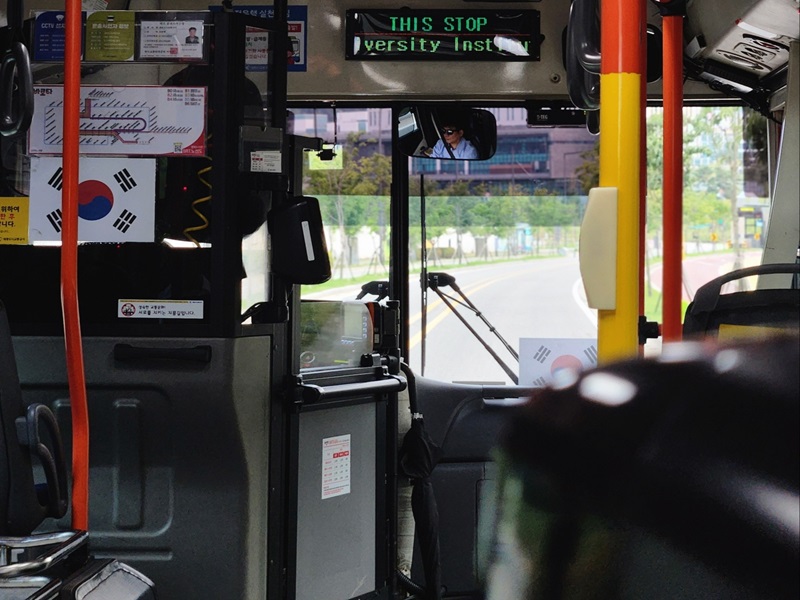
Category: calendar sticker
[335,466]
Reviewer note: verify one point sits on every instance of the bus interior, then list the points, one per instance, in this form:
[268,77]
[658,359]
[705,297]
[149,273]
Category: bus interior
[475,300]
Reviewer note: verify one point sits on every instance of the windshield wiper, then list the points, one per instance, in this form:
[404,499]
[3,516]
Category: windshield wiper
[438,280]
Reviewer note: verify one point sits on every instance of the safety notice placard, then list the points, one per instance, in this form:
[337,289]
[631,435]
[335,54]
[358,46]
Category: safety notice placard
[14,220]
[335,466]
[160,309]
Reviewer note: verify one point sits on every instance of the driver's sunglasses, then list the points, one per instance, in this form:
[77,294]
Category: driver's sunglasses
[449,131]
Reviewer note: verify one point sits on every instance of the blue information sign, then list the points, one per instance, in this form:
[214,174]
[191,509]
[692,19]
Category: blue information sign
[49,38]
[297,19]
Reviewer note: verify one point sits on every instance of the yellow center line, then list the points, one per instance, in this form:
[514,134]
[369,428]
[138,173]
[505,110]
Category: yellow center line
[417,337]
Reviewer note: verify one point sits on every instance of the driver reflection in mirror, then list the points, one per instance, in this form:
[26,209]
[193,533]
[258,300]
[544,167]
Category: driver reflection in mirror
[453,144]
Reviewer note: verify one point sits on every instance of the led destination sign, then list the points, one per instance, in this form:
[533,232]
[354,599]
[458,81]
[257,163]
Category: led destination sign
[407,34]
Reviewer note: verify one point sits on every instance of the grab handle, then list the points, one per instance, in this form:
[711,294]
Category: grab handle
[705,300]
[48,448]
[317,393]
[63,544]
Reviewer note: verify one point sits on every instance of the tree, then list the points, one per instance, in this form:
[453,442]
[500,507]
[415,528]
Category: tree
[712,163]
[498,216]
[655,170]
[375,176]
[355,196]
[716,139]
[756,169]
[551,211]
[704,211]
[448,206]
[588,172]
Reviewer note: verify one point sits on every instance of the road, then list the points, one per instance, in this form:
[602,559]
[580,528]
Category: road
[541,299]
[699,270]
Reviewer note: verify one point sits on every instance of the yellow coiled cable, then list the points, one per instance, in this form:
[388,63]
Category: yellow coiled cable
[195,203]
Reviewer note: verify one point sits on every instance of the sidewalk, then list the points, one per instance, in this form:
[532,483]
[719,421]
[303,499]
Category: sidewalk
[700,269]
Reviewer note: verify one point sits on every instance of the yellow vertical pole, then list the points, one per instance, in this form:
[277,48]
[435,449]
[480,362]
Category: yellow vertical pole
[622,27]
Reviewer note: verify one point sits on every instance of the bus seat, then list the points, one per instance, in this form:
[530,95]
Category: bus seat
[657,479]
[108,579]
[739,314]
[58,565]
[189,509]
[464,421]
[25,433]
[482,134]
[34,565]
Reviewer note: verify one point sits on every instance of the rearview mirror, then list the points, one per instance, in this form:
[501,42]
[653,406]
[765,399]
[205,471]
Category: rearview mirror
[447,132]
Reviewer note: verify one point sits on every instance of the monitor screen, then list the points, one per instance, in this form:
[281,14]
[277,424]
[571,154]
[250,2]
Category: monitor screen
[436,34]
[334,333]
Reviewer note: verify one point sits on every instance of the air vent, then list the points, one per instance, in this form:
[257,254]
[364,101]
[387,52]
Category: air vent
[754,52]
[742,61]
[764,43]
[717,71]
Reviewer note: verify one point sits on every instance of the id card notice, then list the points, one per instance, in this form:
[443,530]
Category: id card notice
[171,39]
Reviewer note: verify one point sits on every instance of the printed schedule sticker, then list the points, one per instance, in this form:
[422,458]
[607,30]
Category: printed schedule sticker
[142,120]
[335,466]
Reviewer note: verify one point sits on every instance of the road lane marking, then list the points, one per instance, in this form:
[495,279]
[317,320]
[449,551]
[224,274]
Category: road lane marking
[577,295]
[417,337]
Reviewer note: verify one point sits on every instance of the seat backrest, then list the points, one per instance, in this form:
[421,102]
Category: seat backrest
[23,503]
[16,475]
[743,313]
[609,495]
[483,135]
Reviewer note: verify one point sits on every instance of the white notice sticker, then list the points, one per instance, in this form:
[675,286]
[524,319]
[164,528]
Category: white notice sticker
[307,240]
[160,309]
[265,161]
[335,466]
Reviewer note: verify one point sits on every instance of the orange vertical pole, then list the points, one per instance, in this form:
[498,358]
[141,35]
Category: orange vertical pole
[673,177]
[69,270]
[620,156]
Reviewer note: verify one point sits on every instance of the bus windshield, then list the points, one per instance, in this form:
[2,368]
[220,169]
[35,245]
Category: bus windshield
[505,232]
